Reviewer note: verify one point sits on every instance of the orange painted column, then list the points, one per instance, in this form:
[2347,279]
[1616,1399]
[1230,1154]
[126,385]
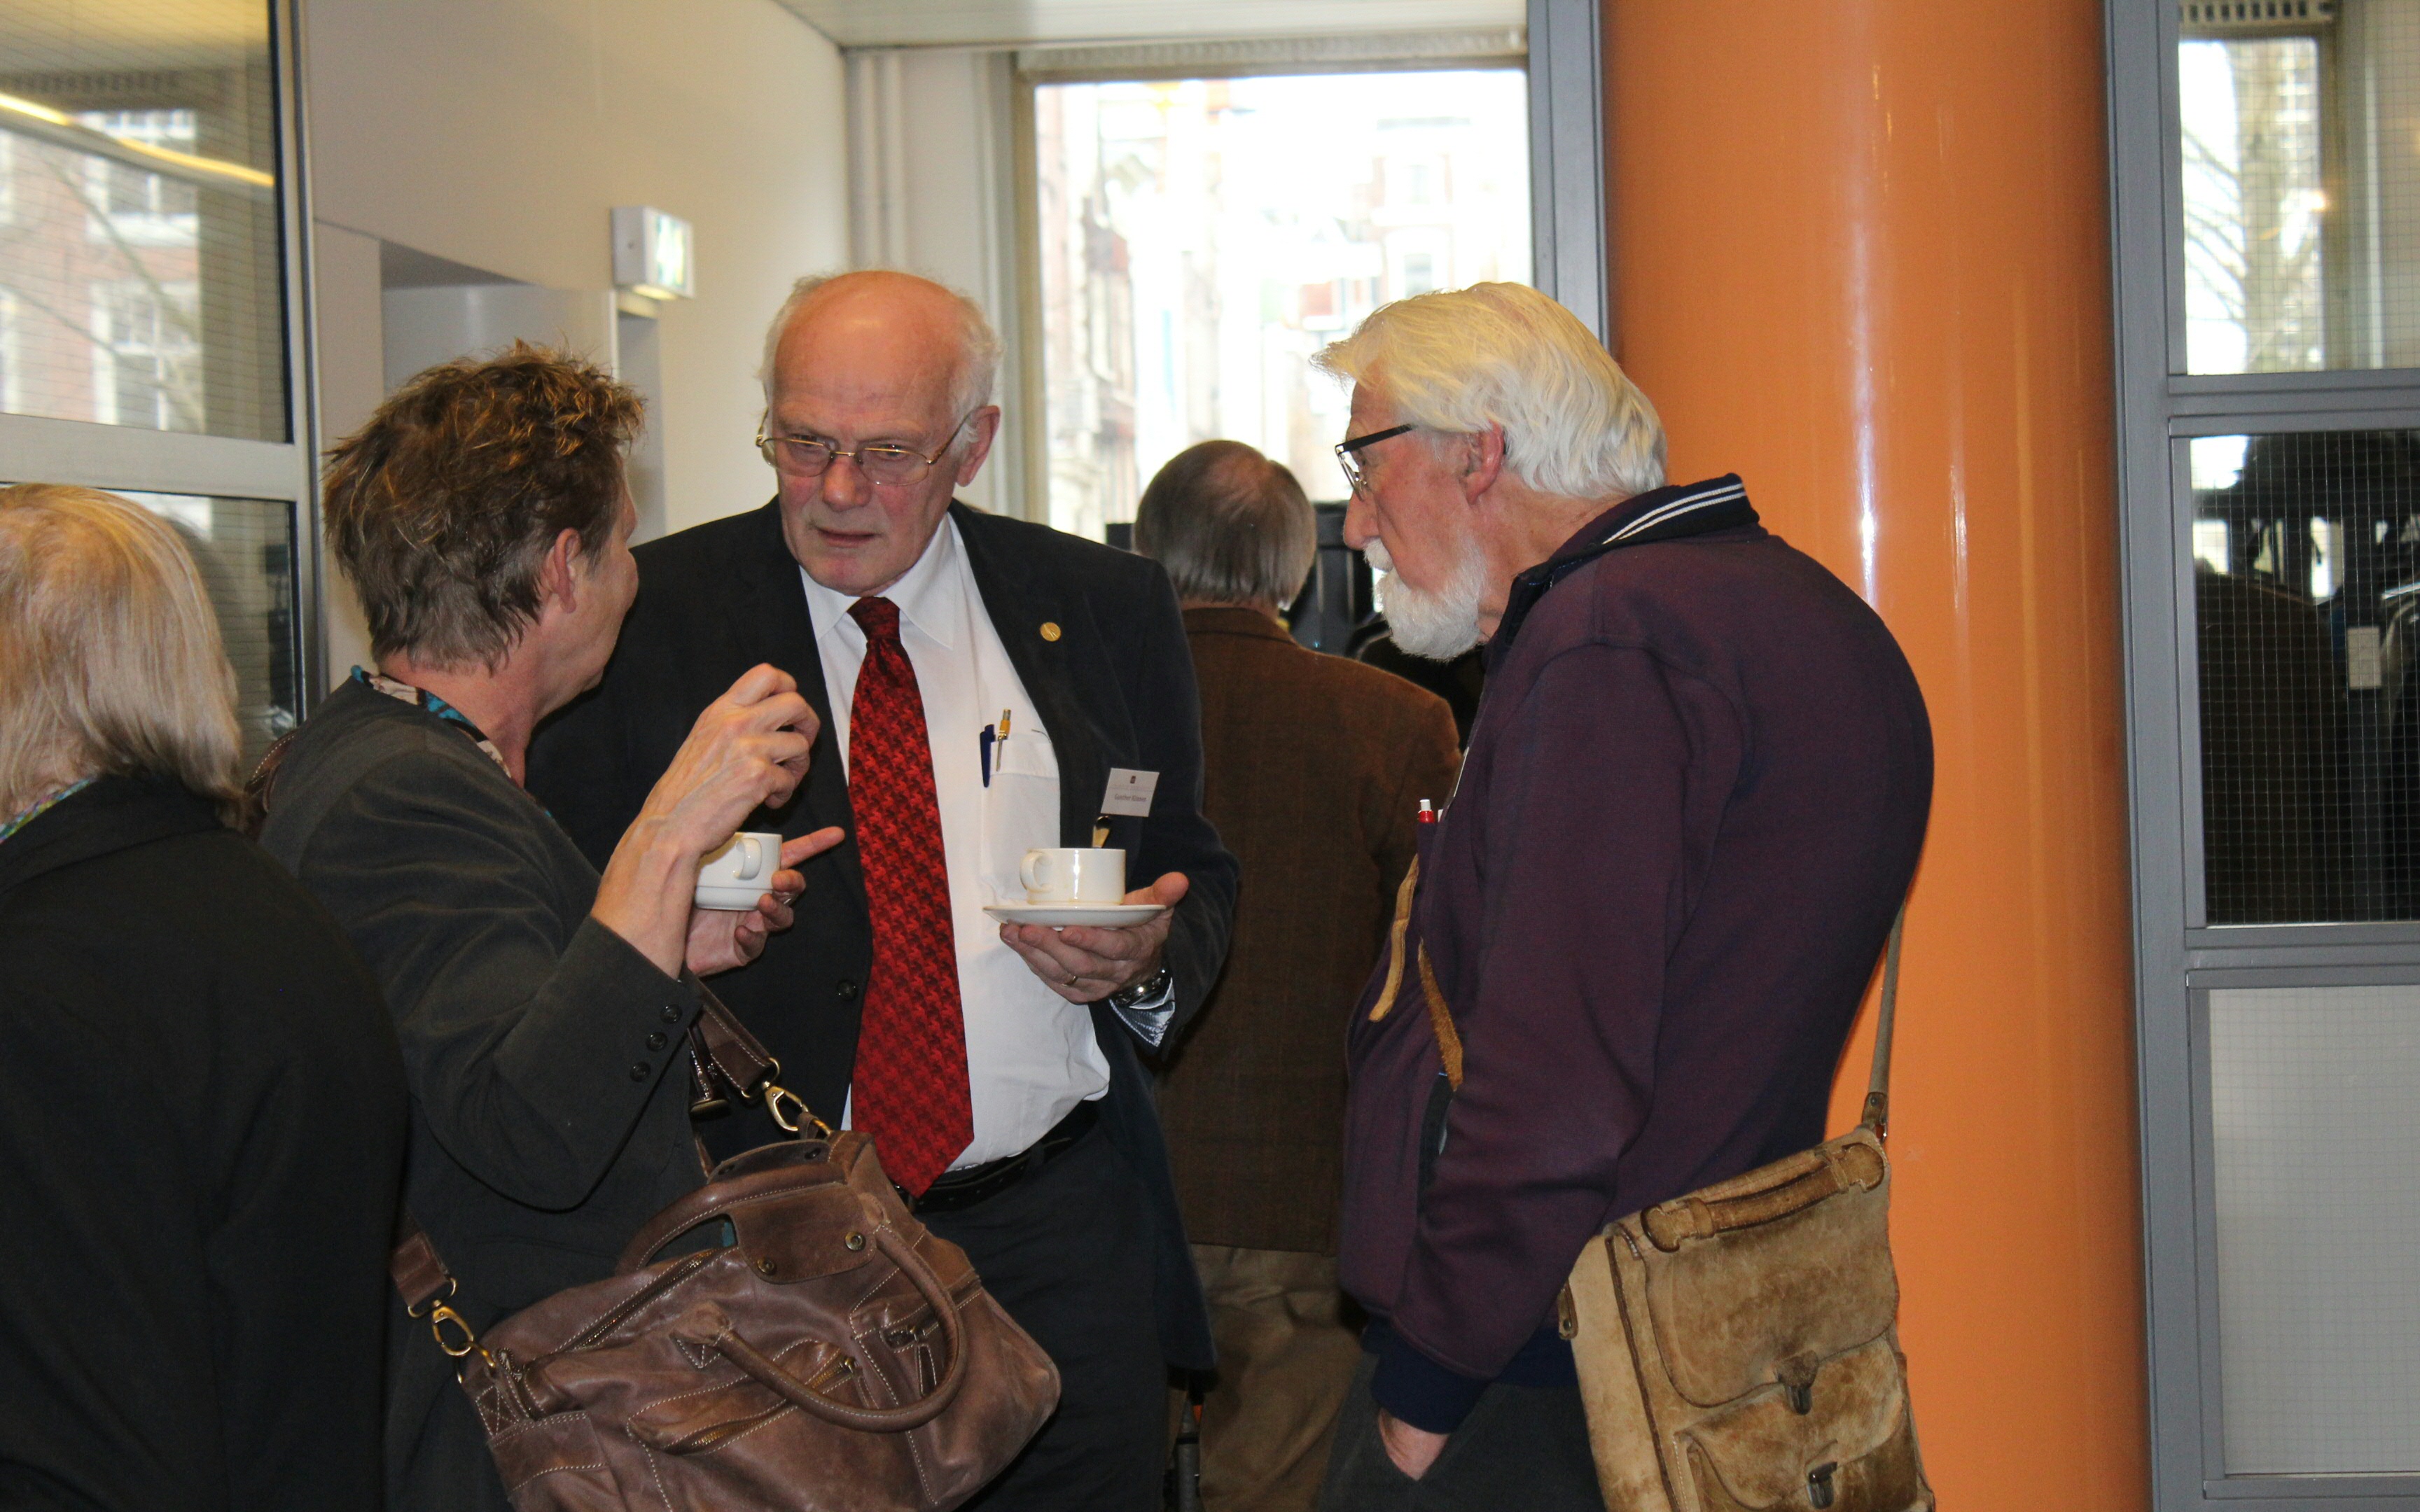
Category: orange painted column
[1861,257]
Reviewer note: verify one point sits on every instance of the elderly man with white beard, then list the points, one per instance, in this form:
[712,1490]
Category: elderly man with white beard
[1694,798]
[1439,626]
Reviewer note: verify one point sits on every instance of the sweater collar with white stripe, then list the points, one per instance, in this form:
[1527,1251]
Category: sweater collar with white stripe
[1658,515]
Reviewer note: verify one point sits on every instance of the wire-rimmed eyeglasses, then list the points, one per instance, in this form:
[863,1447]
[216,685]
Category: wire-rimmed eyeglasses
[1351,463]
[811,456]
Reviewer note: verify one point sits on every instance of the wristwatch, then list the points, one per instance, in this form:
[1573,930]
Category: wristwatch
[1146,992]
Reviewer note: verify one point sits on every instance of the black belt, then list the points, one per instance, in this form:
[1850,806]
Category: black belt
[953,1190]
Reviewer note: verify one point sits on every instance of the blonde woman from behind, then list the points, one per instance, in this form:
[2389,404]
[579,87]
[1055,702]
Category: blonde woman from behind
[201,1106]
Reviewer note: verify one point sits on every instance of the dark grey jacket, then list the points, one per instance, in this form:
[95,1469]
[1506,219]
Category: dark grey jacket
[550,1115]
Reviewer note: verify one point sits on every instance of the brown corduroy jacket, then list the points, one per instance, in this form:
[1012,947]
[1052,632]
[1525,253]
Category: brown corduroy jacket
[1314,766]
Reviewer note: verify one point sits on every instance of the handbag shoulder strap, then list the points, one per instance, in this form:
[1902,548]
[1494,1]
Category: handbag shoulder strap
[729,1060]
[1877,1113]
[253,810]
[732,1064]
[428,1288]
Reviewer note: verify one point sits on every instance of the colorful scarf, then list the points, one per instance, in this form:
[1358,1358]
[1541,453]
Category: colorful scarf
[17,822]
[423,699]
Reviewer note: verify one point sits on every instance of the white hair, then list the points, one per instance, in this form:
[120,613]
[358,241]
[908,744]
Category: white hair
[1503,354]
[979,345]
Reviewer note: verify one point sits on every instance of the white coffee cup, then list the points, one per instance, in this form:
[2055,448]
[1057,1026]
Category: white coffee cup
[739,871]
[1074,876]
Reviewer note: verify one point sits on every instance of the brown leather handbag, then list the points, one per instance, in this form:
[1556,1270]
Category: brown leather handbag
[788,1336]
[1738,1347]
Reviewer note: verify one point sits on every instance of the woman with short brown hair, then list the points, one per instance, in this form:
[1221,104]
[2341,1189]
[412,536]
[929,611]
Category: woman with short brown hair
[482,517]
[442,508]
[201,1108]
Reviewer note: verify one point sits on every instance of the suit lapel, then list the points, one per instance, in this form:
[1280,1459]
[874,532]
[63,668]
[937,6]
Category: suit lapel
[773,612]
[1020,602]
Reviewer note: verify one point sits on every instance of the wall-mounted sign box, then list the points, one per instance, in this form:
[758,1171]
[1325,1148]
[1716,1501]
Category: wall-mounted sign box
[652,254]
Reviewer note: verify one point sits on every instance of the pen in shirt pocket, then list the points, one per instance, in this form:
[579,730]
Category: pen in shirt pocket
[985,739]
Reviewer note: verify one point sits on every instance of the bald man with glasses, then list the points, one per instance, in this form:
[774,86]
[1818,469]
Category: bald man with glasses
[979,681]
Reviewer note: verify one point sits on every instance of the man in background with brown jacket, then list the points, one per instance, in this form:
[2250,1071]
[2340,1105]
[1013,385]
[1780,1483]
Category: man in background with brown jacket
[1314,767]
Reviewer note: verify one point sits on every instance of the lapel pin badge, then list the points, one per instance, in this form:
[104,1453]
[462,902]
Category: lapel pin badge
[1051,630]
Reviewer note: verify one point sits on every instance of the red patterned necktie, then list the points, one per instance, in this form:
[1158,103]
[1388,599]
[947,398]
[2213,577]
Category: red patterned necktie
[910,1088]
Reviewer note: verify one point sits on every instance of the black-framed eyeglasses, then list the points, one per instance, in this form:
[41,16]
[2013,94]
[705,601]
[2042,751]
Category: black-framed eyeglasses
[811,456]
[1351,463]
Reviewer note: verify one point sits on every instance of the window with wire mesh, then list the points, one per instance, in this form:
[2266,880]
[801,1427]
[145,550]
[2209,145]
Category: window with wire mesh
[2306,601]
[141,267]
[2296,125]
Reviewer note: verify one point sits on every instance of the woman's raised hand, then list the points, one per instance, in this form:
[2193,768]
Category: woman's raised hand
[748,748]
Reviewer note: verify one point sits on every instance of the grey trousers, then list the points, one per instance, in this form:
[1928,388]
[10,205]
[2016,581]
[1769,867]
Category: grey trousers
[1522,1446]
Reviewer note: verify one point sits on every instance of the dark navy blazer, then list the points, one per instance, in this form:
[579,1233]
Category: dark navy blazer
[1114,687]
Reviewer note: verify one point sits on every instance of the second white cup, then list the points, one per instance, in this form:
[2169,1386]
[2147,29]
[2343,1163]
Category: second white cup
[739,871]
[1067,875]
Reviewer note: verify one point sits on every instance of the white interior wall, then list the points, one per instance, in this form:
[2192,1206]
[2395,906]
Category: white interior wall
[348,333]
[500,134]
[430,325]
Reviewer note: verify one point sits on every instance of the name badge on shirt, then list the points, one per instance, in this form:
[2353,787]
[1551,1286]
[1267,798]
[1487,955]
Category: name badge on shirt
[1129,793]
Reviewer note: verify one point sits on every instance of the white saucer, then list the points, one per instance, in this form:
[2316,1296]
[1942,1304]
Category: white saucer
[1108,916]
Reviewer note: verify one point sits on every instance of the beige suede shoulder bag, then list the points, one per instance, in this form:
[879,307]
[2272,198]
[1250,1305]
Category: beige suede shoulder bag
[1738,1347]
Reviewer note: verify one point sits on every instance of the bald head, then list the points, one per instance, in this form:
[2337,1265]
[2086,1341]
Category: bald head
[879,310]
[883,361]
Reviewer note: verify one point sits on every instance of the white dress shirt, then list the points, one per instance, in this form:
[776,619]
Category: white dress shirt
[1031,1054]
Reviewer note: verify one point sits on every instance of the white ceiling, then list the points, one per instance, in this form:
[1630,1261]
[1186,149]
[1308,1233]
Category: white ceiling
[1017,22]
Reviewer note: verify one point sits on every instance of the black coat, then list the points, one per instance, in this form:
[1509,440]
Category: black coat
[201,1132]
[1114,688]
[549,1101]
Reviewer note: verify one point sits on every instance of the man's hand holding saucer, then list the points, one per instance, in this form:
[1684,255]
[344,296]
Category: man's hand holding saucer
[1085,963]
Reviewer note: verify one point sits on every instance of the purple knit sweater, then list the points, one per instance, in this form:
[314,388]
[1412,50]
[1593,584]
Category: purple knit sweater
[1693,799]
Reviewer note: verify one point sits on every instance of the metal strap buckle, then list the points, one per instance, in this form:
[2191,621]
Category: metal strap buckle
[804,1117]
[440,1317]
[458,1347]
